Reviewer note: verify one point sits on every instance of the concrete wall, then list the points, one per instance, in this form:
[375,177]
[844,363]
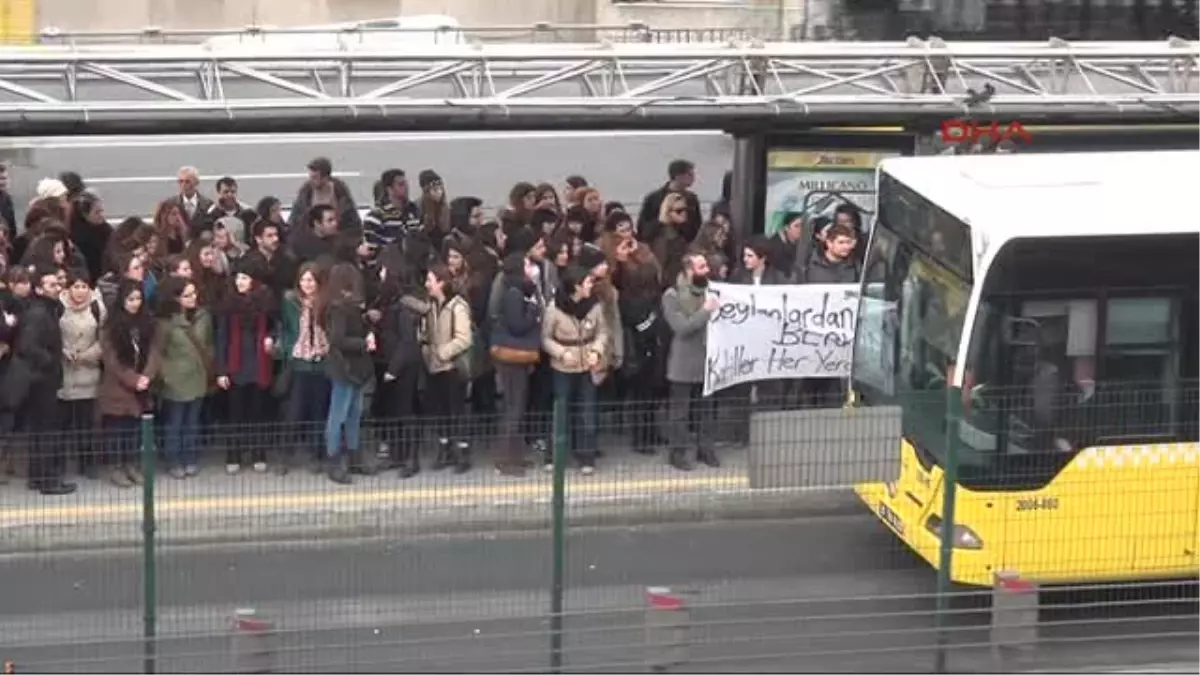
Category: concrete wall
[95,15]
[761,16]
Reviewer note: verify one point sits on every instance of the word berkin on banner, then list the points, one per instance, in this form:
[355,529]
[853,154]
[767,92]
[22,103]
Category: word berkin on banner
[779,332]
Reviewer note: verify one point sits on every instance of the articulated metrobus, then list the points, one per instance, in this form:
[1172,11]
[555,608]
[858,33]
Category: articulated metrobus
[1049,302]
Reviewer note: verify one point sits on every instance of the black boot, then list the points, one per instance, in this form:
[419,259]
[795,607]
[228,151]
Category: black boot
[443,458]
[338,470]
[678,459]
[56,486]
[708,457]
[462,457]
[360,464]
[409,462]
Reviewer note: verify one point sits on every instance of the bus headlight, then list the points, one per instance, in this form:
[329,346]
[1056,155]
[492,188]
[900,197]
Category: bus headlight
[963,536]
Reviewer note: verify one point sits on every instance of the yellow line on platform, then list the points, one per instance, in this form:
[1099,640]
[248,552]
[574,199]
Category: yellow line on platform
[337,499]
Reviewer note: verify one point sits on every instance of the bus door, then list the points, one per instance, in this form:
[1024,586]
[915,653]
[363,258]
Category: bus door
[1059,514]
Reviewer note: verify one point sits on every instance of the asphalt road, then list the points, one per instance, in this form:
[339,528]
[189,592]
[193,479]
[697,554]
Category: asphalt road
[824,594]
[133,173]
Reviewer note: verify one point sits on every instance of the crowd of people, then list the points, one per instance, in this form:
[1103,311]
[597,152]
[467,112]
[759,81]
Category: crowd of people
[216,312]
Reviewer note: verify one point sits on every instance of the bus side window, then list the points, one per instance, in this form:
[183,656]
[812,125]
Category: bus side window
[1141,363]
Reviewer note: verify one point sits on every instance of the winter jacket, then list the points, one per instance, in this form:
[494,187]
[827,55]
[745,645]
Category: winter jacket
[770,277]
[118,395]
[519,321]
[39,340]
[646,336]
[288,334]
[348,218]
[400,333]
[81,336]
[347,330]
[448,333]
[683,309]
[185,372]
[821,270]
[241,354]
[563,333]
[612,321]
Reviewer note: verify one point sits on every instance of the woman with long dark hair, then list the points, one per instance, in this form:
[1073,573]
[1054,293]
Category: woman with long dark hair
[404,302]
[171,227]
[304,348]
[342,311]
[243,359]
[90,231]
[130,365]
[185,348]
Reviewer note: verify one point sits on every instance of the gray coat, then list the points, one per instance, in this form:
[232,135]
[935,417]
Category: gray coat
[685,363]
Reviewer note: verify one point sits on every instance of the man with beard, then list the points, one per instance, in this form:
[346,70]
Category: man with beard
[687,308]
[39,346]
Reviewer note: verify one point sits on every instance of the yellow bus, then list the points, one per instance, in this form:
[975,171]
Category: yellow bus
[1050,301]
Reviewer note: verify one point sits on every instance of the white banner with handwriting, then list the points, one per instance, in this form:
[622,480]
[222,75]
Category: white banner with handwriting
[779,332]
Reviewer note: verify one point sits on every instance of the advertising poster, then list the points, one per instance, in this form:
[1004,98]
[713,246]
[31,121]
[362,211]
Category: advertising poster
[815,182]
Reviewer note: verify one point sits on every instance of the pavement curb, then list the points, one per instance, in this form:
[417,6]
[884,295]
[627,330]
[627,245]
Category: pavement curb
[396,520]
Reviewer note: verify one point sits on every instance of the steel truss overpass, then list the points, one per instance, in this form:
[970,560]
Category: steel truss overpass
[163,89]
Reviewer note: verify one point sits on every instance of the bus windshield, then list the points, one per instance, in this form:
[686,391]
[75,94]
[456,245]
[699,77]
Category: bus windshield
[916,284]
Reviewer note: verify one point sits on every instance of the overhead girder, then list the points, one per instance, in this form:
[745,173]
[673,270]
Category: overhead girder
[126,87]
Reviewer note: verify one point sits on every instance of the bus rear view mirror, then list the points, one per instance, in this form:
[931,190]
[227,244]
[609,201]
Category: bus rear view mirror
[1021,332]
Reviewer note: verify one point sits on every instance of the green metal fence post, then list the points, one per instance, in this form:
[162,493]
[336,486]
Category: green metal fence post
[149,559]
[946,546]
[559,507]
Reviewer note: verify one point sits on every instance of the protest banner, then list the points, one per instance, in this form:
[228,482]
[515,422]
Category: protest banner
[779,332]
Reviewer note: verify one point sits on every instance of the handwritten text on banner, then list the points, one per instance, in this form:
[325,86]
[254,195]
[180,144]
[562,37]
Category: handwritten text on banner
[779,332]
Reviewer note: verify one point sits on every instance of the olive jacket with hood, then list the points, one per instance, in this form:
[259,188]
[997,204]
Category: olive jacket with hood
[447,333]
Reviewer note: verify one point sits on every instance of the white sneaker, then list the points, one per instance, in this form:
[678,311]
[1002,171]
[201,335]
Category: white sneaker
[587,470]
[548,467]
[260,467]
[232,469]
[191,470]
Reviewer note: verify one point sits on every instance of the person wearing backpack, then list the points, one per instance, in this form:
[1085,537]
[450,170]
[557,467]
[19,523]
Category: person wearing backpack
[83,315]
[446,350]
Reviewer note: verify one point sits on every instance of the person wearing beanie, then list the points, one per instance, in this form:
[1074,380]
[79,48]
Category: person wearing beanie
[435,208]
[243,360]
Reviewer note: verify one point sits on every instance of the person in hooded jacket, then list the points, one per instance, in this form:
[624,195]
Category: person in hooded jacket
[130,365]
[83,316]
[448,336]
[515,349]
[244,345]
[575,336]
[39,345]
[405,305]
[90,231]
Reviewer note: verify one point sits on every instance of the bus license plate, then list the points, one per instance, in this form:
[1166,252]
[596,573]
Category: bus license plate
[891,518]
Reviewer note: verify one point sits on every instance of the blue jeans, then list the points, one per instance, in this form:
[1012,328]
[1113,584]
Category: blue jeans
[345,417]
[578,393]
[182,430]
